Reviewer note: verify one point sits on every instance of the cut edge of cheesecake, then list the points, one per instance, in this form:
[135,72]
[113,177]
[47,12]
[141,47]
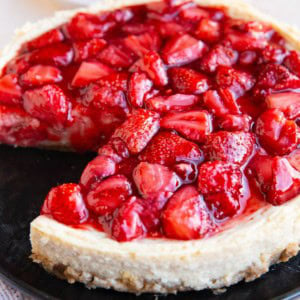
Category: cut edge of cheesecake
[245,251]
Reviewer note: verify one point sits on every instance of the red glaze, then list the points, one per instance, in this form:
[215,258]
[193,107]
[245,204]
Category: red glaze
[195,117]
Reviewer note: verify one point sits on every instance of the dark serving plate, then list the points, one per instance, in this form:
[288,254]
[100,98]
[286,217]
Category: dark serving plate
[26,176]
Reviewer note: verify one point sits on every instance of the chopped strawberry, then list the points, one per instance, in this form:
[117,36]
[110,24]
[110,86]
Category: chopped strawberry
[115,57]
[152,64]
[127,224]
[127,165]
[40,75]
[86,26]
[194,14]
[47,103]
[248,58]
[186,216]
[276,134]
[234,147]
[139,86]
[50,37]
[221,182]
[137,28]
[123,15]
[230,122]
[194,125]
[170,29]
[188,81]
[218,56]
[116,81]
[19,128]
[273,77]
[287,102]
[182,49]
[87,49]
[96,170]
[10,91]
[155,182]
[85,133]
[167,148]
[141,44]
[103,97]
[115,149]
[57,54]
[294,159]
[89,72]
[208,30]
[176,102]
[292,62]
[65,204]
[108,195]
[187,172]
[273,53]
[221,102]
[237,81]
[138,130]
[277,178]
[18,65]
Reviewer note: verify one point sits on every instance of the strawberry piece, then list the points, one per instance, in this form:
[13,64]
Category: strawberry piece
[233,147]
[10,91]
[19,128]
[87,49]
[248,58]
[222,204]
[181,50]
[105,97]
[85,133]
[221,103]
[89,72]
[115,57]
[87,26]
[47,103]
[188,173]
[194,14]
[65,204]
[96,170]
[115,149]
[116,81]
[219,176]
[273,78]
[273,54]
[288,102]
[127,224]
[276,134]
[167,148]
[176,102]
[143,43]
[138,130]
[186,216]
[235,122]
[194,125]
[277,178]
[220,182]
[294,159]
[17,65]
[292,62]
[139,85]
[208,30]
[57,54]
[122,15]
[50,37]
[218,56]
[155,182]
[40,75]
[152,64]
[108,195]
[188,81]
[137,28]
[238,81]
[127,166]
[170,29]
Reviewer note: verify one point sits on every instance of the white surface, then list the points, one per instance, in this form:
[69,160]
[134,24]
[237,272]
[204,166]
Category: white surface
[14,13]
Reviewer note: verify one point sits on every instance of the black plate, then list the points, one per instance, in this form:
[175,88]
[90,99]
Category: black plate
[26,176]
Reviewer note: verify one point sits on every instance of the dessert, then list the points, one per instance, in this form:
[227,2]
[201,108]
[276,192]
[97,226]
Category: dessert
[193,111]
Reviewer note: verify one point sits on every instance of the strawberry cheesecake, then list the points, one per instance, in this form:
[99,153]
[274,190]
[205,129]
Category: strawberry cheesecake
[193,109]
